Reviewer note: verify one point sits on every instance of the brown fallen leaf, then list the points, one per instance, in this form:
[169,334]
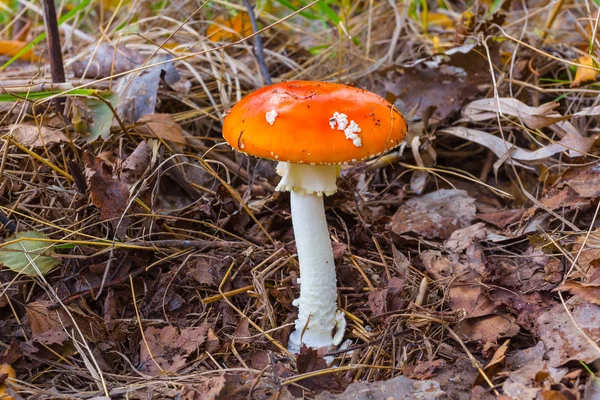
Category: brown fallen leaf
[162,126]
[50,326]
[563,340]
[107,193]
[388,298]
[495,365]
[134,166]
[472,298]
[167,349]
[435,214]
[206,389]
[310,360]
[398,388]
[502,219]
[438,88]
[30,135]
[423,369]
[534,117]
[529,370]
[489,328]
[587,291]
[587,73]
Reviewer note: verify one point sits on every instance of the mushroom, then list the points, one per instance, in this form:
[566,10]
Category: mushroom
[312,128]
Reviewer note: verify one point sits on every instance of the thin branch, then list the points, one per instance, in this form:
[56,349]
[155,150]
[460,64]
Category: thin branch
[258,45]
[57,69]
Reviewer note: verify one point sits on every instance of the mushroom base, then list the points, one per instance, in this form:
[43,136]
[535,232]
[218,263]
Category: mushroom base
[320,323]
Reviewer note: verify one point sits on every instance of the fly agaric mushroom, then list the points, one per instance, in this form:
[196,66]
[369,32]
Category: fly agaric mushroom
[311,128]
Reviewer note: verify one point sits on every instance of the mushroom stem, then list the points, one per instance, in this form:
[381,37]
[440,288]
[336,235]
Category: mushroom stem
[320,323]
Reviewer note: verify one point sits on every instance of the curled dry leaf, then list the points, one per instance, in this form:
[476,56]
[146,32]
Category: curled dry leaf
[136,164]
[436,214]
[587,73]
[500,147]
[6,371]
[107,193]
[533,117]
[31,135]
[495,365]
[587,291]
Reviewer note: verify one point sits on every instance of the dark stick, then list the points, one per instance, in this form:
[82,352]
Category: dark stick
[7,223]
[258,46]
[55,54]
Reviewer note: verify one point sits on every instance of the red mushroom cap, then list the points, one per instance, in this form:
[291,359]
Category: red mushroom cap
[314,123]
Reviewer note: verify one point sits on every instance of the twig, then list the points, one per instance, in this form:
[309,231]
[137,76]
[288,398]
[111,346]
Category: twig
[4,220]
[57,68]
[258,46]
[189,244]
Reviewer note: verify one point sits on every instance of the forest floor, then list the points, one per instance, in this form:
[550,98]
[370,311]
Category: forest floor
[160,264]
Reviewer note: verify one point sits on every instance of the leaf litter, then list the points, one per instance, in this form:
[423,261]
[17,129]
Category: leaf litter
[465,266]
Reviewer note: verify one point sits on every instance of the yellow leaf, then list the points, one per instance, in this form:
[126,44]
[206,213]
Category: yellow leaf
[584,74]
[111,5]
[441,20]
[12,47]
[229,29]
[8,370]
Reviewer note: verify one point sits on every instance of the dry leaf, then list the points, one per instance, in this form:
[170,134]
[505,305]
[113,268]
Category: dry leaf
[587,291]
[489,328]
[108,194]
[398,388]
[563,340]
[527,366]
[50,326]
[12,47]
[106,61]
[436,214]
[162,126]
[495,365]
[440,20]
[223,29]
[136,164]
[31,135]
[500,147]
[6,371]
[166,349]
[206,389]
[438,88]
[534,117]
[585,74]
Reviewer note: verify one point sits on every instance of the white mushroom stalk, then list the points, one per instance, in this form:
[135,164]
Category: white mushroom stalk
[320,324]
[312,128]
